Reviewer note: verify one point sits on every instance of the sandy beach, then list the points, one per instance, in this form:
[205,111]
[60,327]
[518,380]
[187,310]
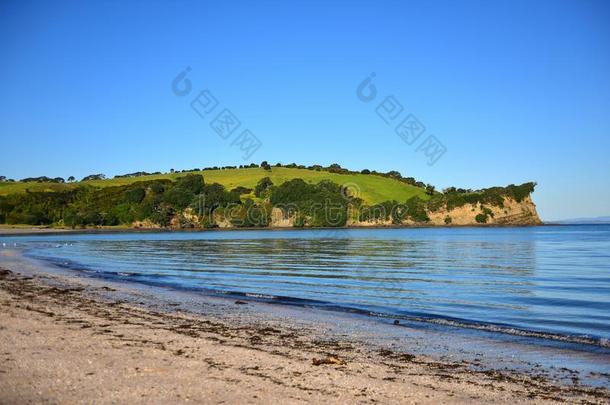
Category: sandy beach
[75,340]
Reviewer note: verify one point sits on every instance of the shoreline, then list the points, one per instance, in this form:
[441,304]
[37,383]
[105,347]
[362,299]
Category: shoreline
[30,230]
[214,350]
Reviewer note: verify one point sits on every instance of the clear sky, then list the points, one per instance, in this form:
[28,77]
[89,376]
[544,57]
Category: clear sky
[515,90]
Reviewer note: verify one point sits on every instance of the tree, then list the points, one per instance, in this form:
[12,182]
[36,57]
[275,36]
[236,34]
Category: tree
[394,174]
[336,168]
[430,189]
[2,178]
[262,186]
[410,180]
[135,196]
[71,179]
[94,177]
[183,191]
[193,183]
[265,165]
[365,171]
[416,209]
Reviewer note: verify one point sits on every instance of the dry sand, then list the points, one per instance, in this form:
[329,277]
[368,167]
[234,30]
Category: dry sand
[73,340]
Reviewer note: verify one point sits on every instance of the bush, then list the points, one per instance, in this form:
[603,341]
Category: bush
[262,186]
[416,209]
[157,187]
[162,215]
[481,218]
[191,183]
[135,196]
[241,190]
[214,196]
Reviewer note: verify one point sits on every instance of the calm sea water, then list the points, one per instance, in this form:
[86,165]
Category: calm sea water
[547,282]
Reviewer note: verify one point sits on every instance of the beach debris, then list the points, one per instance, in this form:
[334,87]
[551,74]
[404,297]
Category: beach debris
[328,360]
[396,322]
[238,302]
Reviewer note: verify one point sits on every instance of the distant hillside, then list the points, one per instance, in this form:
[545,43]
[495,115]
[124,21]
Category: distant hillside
[259,196]
[583,221]
[373,188]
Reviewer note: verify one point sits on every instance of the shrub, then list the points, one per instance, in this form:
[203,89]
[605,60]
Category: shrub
[241,190]
[191,183]
[262,186]
[481,218]
[135,196]
[487,211]
[416,209]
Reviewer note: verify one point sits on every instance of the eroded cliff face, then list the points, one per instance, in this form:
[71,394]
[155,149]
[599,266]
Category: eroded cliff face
[280,220]
[511,212]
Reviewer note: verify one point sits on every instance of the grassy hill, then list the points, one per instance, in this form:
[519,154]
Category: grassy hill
[373,189]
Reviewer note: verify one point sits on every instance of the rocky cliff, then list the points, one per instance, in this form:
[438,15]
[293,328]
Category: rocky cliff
[509,212]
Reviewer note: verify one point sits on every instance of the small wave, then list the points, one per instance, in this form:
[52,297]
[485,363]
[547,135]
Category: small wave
[264,296]
[422,318]
[499,328]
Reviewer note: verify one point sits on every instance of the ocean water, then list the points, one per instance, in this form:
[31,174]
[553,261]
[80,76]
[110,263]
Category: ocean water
[549,282]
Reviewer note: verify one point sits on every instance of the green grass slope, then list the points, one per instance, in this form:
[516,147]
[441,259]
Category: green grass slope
[373,189]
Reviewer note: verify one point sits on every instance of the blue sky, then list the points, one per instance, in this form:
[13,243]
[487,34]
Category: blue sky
[515,91]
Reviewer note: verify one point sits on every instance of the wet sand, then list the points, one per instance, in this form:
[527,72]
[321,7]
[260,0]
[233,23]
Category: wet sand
[72,339]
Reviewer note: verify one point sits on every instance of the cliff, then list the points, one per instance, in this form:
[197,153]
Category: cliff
[509,212]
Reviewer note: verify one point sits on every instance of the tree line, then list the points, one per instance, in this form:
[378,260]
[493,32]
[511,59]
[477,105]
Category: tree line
[333,168]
